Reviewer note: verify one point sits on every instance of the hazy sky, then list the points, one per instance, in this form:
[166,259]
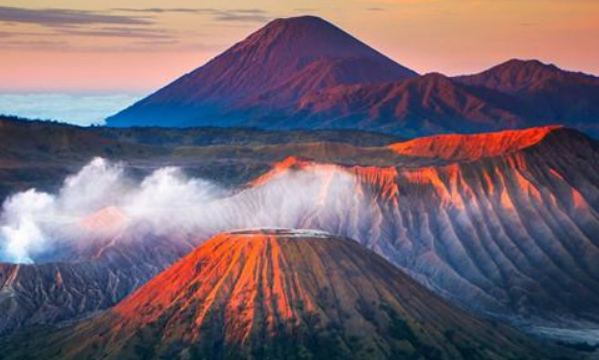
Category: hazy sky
[137,46]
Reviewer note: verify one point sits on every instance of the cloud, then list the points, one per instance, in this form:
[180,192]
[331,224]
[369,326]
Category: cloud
[79,109]
[12,34]
[241,17]
[101,200]
[53,17]
[157,10]
[306,10]
[120,32]
[35,44]
[230,15]
[122,28]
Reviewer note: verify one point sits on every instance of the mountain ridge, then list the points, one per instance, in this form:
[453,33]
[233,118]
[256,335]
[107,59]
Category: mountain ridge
[529,211]
[474,147]
[516,75]
[304,72]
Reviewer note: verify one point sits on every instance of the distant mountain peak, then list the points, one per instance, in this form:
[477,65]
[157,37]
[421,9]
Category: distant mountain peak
[299,24]
[289,57]
[517,75]
[519,69]
[306,37]
[526,63]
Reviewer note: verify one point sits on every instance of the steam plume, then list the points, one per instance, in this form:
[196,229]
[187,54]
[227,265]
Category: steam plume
[101,197]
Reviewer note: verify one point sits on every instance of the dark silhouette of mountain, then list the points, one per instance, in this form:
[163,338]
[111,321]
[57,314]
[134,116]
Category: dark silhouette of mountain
[273,67]
[281,294]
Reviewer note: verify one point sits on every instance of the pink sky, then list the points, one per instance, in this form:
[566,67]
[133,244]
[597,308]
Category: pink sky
[138,46]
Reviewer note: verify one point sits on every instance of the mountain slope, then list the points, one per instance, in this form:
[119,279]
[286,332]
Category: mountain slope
[549,93]
[508,230]
[429,104]
[505,224]
[306,73]
[516,94]
[53,292]
[285,294]
[298,55]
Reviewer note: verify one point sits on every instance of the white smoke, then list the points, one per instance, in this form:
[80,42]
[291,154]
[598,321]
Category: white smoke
[90,202]
[22,217]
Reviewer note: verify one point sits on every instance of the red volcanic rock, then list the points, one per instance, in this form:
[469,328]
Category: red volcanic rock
[284,294]
[472,147]
[522,203]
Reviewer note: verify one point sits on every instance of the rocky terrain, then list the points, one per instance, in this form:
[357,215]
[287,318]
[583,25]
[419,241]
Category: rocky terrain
[502,224]
[281,294]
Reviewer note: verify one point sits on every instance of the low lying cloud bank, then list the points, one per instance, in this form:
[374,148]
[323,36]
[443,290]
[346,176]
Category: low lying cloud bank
[102,199]
[77,109]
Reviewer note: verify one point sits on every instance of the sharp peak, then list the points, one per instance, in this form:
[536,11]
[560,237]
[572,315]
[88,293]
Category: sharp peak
[302,19]
[312,35]
[299,23]
[305,24]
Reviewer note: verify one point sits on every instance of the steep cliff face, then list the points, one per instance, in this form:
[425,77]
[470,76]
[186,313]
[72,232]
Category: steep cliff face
[516,232]
[286,294]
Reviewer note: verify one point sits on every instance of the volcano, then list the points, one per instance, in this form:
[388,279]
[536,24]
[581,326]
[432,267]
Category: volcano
[304,72]
[284,294]
[503,224]
[273,67]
